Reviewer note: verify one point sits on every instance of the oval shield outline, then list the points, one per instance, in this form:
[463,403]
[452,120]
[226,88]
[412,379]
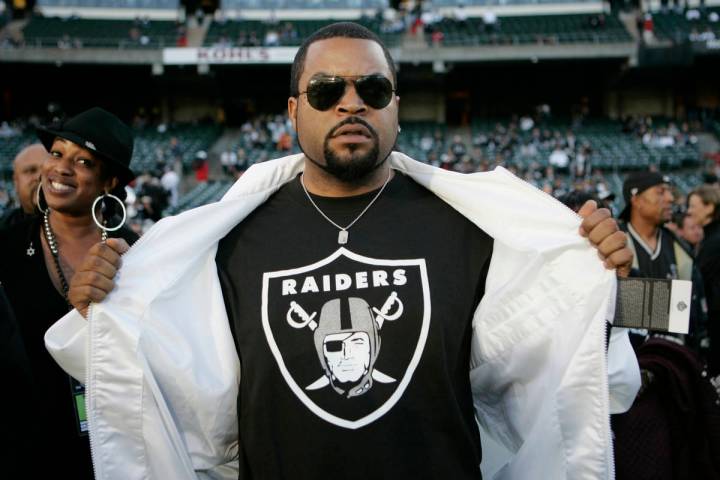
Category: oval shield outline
[414,361]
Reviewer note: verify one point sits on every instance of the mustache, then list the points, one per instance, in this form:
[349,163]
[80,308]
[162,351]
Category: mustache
[352,121]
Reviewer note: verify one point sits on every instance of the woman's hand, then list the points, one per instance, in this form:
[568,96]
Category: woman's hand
[94,278]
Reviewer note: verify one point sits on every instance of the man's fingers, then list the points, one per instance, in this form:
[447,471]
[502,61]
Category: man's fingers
[612,243]
[622,260]
[616,254]
[588,207]
[600,226]
[593,219]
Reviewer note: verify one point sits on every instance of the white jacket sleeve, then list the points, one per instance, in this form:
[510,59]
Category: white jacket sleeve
[538,369]
[68,345]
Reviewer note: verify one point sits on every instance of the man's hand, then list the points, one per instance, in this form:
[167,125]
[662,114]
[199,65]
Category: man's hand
[603,232]
[94,279]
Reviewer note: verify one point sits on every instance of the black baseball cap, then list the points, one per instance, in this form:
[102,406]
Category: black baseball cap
[638,182]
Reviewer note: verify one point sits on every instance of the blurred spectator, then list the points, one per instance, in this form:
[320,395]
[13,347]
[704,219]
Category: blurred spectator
[201,167]
[465,165]
[170,182]
[526,123]
[460,15]
[648,29]
[597,21]
[26,177]
[228,162]
[6,131]
[458,147]
[490,21]
[152,198]
[272,38]
[692,14]
[559,158]
[437,36]
[5,200]
[685,227]
[284,143]
[704,208]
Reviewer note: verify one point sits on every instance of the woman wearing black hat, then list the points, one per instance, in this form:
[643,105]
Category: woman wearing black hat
[80,197]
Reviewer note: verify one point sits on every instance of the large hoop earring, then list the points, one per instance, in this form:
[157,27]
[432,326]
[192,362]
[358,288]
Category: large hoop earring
[97,222]
[38,191]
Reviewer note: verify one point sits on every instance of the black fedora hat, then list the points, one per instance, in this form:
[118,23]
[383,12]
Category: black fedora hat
[99,131]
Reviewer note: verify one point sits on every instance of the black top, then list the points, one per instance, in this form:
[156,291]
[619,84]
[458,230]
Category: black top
[12,217]
[17,440]
[708,261]
[663,264]
[660,263]
[355,357]
[62,450]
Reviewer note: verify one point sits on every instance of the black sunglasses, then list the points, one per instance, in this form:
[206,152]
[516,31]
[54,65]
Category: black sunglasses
[324,91]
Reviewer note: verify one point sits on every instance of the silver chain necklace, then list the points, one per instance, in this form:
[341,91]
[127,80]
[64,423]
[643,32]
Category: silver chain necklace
[52,243]
[343,233]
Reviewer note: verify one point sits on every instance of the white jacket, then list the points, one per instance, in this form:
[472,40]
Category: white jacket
[163,373]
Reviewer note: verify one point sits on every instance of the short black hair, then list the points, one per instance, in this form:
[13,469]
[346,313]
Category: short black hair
[335,30]
[577,198]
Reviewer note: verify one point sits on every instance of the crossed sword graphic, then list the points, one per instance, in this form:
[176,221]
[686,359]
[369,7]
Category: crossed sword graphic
[308,320]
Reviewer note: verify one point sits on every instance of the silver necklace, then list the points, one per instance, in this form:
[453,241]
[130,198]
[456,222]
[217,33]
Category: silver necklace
[52,243]
[343,231]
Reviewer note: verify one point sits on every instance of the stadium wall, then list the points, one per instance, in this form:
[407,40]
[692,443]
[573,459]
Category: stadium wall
[422,106]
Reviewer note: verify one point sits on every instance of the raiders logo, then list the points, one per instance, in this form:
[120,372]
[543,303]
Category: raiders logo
[348,332]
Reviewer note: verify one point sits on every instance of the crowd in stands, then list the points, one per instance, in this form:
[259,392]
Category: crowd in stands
[252,34]
[679,24]
[74,32]
[556,155]
[262,138]
[227,31]
[458,28]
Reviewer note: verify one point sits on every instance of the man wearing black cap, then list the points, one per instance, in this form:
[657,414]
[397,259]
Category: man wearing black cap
[658,253]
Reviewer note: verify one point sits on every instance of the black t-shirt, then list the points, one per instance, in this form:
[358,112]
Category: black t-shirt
[60,447]
[660,263]
[355,357]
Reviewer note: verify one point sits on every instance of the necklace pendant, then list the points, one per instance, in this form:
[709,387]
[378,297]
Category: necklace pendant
[342,237]
[30,251]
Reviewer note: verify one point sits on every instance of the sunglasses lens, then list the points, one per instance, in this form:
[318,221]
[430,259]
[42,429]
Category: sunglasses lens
[323,93]
[375,90]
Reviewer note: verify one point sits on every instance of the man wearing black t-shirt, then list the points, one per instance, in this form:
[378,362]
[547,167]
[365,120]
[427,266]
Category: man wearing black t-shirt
[361,337]
[369,336]
[350,292]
